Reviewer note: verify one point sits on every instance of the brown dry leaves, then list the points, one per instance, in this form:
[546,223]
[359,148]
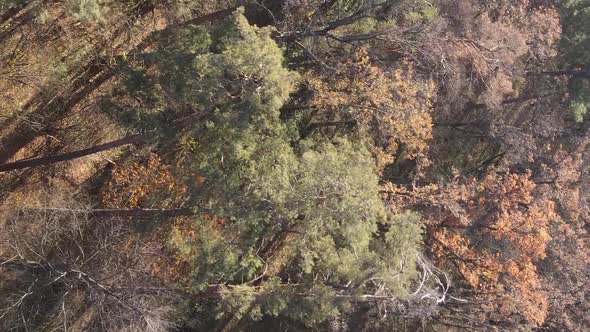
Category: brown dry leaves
[139,184]
[493,232]
[391,103]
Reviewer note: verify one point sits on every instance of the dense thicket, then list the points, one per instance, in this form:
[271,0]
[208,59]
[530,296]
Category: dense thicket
[334,165]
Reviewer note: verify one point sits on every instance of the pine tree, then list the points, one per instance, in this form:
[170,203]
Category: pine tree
[575,55]
[259,190]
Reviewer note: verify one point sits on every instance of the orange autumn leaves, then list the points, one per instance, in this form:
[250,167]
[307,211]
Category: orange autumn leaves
[391,104]
[495,247]
[492,232]
[140,185]
[152,184]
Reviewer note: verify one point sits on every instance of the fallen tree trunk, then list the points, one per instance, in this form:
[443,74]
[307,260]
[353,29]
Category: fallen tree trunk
[90,79]
[35,162]
[138,213]
[12,11]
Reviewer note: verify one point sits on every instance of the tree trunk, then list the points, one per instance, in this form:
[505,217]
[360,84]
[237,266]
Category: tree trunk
[89,80]
[109,213]
[557,73]
[330,26]
[51,110]
[346,123]
[12,11]
[313,126]
[14,24]
[142,213]
[16,17]
[524,98]
[23,133]
[34,162]
[86,81]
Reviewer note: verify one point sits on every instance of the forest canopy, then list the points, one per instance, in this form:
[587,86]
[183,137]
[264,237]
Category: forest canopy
[307,165]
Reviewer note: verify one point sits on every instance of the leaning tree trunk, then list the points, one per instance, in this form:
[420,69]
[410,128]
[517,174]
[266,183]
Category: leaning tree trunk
[558,73]
[87,80]
[91,77]
[113,213]
[35,162]
[14,18]
[23,132]
[13,11]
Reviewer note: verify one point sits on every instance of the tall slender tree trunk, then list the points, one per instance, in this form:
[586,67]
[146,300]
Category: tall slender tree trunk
[51,110]
[91,78]
[35,162]
[13,11]
[556,73]
[109,213]
[476,106]
[14,18]
[524,98]
[23,132]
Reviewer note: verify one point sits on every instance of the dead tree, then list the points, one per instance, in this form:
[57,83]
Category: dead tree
[61,269]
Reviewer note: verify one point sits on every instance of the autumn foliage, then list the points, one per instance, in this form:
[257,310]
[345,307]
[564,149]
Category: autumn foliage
[493,232]
[140,184]
[341,165]
[390,103]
